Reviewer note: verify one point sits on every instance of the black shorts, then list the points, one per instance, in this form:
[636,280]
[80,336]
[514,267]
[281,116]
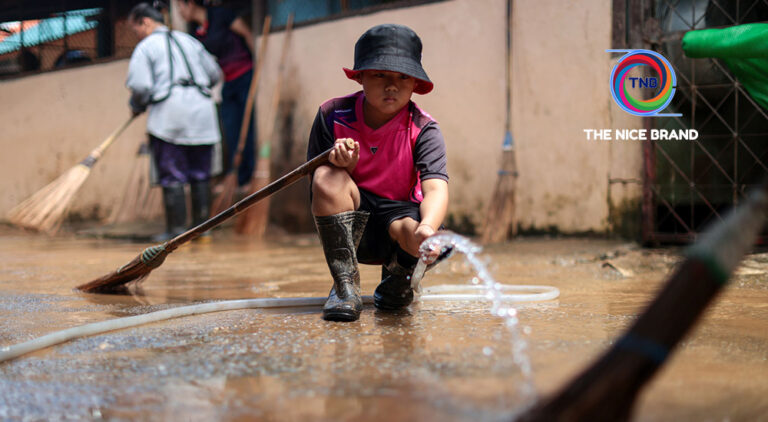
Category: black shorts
[376,247]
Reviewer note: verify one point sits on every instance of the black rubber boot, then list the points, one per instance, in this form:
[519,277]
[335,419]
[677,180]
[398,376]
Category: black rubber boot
[201,205]
[340,235]
[395,292]
[175,202]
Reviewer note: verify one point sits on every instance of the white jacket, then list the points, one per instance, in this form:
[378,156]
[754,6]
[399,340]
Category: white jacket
[185,115]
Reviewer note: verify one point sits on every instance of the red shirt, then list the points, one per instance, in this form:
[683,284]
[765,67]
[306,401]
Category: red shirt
[394,158]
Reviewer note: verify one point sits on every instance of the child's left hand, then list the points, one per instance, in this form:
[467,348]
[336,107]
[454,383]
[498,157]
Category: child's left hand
[343,157]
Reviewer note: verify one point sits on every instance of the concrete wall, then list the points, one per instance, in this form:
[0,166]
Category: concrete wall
[560,87]
[51,121]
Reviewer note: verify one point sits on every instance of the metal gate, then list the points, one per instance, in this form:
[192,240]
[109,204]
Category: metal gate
[689,184]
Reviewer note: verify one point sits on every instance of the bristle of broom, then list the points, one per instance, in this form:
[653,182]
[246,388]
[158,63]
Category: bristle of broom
[500,221]
[133,272]
[226,198]
[139,200]
[253,221]
[45,210]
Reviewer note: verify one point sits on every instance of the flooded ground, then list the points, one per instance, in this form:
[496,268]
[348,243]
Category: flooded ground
[435,361]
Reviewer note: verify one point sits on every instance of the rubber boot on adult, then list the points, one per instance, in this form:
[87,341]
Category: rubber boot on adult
[175,203]
[340,235]
[200,192]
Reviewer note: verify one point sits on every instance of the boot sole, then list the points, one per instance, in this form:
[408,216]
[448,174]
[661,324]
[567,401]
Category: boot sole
[341,316]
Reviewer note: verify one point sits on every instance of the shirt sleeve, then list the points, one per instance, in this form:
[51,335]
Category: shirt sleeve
[139,80]
[320,137]
[430,155]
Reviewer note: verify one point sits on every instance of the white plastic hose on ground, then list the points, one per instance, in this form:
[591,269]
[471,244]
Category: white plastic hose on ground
[535,293]
[10,352]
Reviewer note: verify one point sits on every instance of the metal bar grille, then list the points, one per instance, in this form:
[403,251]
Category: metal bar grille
[688,185]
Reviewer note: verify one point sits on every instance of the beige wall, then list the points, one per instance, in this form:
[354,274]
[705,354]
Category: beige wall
[51,121]
[560,87]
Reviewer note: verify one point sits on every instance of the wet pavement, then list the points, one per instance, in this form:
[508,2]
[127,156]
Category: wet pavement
[441,361]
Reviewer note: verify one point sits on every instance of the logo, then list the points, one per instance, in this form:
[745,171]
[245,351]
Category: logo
[663,84]
[374,149]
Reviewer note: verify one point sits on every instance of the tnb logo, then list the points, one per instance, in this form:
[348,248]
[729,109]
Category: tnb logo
[665,82]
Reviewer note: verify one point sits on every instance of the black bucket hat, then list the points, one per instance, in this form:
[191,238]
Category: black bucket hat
[391,47]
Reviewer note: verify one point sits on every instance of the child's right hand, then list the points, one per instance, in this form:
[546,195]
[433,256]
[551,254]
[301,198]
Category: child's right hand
[343,157]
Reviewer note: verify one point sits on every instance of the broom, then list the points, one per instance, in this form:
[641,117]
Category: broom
[607,389]
[153,257]
[500,221]
[45,210]
[139,200]
[229,185]
[254,222]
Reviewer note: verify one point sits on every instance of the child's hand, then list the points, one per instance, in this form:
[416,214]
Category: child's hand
[423,231]
[343,157]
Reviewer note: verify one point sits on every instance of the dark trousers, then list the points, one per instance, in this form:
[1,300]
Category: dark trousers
[234,95]
[180,164]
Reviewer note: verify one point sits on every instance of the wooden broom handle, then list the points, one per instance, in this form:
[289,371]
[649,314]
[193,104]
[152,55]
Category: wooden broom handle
[248,113]
[240,206]
[96,153]
[278,85]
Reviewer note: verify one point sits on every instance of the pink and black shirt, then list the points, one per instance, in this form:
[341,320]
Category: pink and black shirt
[395,158]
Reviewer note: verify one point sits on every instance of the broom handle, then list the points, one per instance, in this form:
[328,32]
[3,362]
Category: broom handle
[94,156]
[253,198]
[248,114]
[276,94]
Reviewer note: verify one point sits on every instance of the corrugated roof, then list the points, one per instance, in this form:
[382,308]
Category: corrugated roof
[51,29]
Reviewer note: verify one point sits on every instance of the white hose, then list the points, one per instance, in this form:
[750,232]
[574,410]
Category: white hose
[10,352]
[537,293]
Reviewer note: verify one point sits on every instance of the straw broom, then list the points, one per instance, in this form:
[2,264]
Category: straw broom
[139,200]
[229,185]
[254,222]
[154,256]
[500,221]
[45,210]
[607,390]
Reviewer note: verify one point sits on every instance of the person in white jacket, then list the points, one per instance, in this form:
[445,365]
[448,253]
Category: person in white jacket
[170,74]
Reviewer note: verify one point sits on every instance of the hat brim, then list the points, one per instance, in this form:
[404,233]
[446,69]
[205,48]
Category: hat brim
[422,86]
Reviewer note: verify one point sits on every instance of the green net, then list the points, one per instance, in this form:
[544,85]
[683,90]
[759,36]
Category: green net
[743,48]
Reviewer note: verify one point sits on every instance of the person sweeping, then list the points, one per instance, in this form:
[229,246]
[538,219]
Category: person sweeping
[376,202]
[171,73]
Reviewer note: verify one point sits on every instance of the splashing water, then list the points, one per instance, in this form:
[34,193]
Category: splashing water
[450,243]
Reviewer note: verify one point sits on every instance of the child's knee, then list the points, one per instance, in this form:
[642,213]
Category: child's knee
[327,181]
[402,230]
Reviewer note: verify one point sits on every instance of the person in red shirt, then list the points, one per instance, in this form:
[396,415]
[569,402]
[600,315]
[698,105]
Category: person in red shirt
[228,37]
[376,203]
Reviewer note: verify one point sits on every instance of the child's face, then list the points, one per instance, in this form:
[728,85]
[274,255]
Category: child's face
[387,92]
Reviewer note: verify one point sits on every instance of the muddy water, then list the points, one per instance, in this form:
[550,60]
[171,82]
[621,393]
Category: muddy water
[435,361]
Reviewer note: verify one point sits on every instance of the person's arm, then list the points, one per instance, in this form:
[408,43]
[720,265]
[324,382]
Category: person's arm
[240,28]
[433,208]
[139,81]
[431,162]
